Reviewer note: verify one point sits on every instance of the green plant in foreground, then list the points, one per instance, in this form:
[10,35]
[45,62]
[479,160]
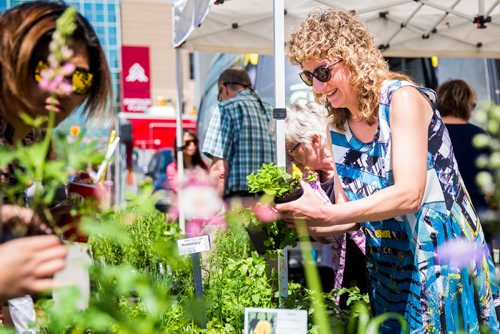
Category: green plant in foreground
[367,325]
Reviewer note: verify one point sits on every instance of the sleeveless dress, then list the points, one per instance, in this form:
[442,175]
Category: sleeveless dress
[403,273]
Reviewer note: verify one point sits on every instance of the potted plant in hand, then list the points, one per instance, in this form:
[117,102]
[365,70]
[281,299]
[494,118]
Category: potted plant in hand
[282,187]
[276,182]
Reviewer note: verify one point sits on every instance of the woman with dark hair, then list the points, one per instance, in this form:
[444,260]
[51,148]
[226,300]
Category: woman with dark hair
[24,49]
[456,100]
[191,157]
[24,53]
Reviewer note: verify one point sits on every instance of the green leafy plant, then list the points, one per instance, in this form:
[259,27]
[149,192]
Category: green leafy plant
[272,180]
[488,116]
[275,182]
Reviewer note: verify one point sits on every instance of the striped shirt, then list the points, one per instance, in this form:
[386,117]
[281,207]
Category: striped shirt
[239,133]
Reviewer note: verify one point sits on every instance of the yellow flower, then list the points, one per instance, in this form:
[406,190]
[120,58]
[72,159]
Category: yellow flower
[263,327]
[74,130]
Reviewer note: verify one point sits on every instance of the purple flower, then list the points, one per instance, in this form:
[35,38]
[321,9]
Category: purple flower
[54,81]
[460,253]
[53,78]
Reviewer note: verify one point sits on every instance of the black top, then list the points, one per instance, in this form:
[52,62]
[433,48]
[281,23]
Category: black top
[461,136]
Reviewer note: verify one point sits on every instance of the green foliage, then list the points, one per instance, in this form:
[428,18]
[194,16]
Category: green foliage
[136,235]
[234,279]
[488,117]
[275,182]
[273,236]
[124,300]
[367,325]
[140,284]
[77,153]
[272,180]
[280,236]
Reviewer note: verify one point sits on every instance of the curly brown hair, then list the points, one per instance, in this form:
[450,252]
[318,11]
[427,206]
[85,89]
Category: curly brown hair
[337,34]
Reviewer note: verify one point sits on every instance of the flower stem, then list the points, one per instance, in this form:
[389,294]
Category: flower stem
[46,145]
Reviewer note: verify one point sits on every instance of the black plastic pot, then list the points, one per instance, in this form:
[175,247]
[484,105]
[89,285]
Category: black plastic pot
[294,195]
[257,237]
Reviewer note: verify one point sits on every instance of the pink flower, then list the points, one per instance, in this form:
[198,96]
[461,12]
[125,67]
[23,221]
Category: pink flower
[173,213]
[265,213]
[194,227]
[460,253]
[68,68]
[218,222]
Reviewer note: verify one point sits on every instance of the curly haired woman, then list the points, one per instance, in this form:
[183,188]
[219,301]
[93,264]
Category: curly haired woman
[396,166]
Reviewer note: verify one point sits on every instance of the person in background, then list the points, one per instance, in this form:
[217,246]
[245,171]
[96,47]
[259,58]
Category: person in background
[456,101]
[308,147]
[396,165]
[191,157]
[24,49]
[238,139]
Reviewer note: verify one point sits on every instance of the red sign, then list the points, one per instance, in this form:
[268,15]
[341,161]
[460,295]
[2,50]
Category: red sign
[136,81]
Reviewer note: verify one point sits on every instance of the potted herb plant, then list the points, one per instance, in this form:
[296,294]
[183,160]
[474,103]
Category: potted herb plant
[282,187]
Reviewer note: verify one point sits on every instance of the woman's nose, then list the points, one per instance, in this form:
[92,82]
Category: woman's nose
[318,86]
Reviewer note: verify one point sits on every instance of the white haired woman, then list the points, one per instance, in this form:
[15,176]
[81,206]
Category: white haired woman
[309,148]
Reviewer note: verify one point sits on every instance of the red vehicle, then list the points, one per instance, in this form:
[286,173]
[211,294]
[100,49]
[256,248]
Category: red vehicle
[152,132]
[145,135]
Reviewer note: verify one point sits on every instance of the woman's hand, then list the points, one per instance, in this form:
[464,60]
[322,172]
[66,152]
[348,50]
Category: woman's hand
[28,264]
[308,208]
[17,220]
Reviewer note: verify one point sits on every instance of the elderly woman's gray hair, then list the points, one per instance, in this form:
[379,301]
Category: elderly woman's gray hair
[303,120]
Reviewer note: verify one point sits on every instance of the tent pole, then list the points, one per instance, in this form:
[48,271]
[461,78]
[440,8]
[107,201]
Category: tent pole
[178,139]
[279,115]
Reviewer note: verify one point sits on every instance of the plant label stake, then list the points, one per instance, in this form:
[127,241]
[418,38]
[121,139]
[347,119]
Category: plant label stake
[195,246]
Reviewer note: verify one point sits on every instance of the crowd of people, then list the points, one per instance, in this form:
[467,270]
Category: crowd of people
[394,159]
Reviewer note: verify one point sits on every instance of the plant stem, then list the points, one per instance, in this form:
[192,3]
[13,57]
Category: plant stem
[312,279]
[46,143]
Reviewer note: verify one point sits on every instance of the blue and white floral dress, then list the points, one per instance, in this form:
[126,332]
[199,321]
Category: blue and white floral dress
[403,273]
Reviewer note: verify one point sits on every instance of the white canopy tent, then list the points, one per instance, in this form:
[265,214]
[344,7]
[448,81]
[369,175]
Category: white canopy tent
[403,28]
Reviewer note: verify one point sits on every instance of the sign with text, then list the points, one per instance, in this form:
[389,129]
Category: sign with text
[136,80]
[276,321]
[193,245]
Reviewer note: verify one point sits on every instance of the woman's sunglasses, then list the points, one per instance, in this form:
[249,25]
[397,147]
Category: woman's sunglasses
[188,142]
[80,79]
[322,73]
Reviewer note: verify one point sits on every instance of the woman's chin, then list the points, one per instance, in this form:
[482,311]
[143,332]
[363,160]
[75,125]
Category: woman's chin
[336,102]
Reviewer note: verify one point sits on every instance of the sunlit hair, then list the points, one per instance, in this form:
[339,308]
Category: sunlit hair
[25,36]
[196,159]
[303,120]
[456,98]
[336,34]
